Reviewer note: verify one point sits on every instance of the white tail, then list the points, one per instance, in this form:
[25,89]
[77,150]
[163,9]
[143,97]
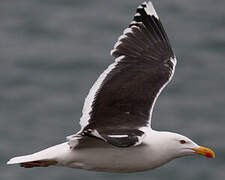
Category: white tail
[46,157]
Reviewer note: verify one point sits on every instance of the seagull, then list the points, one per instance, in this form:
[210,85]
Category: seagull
[116,133]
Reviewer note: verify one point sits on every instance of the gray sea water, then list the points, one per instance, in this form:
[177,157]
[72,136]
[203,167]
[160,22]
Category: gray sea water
[52,51]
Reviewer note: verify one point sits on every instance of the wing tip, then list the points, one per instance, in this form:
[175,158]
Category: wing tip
[149,8]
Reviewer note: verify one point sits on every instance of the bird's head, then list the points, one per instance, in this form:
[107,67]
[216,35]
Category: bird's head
[178,145]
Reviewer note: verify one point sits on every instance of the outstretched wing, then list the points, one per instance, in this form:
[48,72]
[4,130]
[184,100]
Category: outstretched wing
[121,101]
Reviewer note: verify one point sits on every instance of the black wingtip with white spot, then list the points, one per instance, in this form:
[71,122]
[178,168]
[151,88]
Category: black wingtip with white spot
[149,8]
[143,10]
[147,21]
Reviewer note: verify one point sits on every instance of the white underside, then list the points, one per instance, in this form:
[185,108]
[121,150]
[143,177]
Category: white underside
[100,156]
[123,160]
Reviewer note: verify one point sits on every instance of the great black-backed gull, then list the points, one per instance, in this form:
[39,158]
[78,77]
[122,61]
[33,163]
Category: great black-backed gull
[116,133]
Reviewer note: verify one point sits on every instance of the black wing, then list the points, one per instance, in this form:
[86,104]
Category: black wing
[121,101]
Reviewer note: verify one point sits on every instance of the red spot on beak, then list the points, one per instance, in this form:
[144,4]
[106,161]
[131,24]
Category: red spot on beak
[209,155]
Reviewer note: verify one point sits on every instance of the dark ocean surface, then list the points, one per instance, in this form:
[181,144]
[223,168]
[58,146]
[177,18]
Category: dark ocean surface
[52,51]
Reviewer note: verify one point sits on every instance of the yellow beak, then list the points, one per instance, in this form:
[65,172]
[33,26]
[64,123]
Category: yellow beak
[205,152]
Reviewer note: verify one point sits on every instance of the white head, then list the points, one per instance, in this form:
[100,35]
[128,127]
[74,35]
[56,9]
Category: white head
[173,145]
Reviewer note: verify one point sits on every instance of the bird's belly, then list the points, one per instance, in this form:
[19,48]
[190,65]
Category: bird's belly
[113,159]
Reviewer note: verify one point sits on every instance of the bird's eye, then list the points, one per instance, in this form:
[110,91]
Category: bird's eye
[182,141]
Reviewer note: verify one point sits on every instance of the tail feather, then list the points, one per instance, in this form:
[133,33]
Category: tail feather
[23,159]
[42,158]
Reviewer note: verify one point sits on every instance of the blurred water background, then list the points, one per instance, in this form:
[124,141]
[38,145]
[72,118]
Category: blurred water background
[51,52]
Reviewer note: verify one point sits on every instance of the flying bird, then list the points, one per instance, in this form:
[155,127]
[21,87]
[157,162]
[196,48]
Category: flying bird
[116,133]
